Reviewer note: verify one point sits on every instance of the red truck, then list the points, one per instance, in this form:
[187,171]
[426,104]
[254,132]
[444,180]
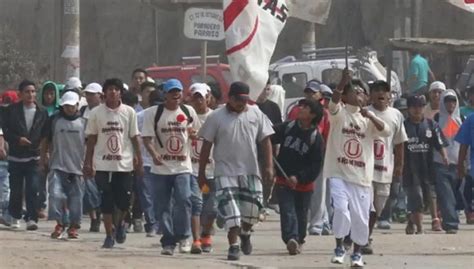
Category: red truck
[218,74]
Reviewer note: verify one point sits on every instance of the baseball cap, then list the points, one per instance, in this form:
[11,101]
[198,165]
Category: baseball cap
[379,85]
[416,101]
[239,90]
[69,98]
[200,88]
[93,88]
[450,96]
[172,84]
[73,83]
[400,104]
[314,86]
[437,85]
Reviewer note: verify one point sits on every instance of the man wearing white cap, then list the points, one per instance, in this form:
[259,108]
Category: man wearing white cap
[434,94]
[202,209]
[93,93]
[65,145]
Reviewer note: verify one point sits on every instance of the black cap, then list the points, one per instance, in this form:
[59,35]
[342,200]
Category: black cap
[416,100]
[379,85]
[400,104]
[448,98]
[239,90]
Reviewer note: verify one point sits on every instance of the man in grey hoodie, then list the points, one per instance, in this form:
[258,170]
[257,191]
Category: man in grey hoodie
[447,182]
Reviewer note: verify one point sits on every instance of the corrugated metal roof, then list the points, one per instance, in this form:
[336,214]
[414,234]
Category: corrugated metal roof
[433,44]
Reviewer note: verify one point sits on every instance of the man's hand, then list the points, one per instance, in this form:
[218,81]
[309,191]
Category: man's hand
[292,181]
[138,167]
[397,171]
[88,171]
[366,113]
[202,181]
[24,141]
[445,160]
[268,174]
[192,133]
[157,160]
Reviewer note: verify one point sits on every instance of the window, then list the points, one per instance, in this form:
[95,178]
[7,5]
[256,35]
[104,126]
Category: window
[294,84]
[198,78]
[332,75]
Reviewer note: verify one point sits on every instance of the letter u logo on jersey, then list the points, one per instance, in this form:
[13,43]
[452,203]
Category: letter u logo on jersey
[174,145]
[353,148]
[379,149]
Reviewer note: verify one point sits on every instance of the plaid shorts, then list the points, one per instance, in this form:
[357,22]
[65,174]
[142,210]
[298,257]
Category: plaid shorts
[239,199]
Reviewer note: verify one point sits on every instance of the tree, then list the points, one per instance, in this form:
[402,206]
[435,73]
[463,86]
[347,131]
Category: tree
[15,65]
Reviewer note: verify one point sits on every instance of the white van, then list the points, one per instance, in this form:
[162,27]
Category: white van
[327,67]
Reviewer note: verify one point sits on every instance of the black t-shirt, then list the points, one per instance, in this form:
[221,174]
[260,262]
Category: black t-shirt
[423,139]
[272,111]
[301,151]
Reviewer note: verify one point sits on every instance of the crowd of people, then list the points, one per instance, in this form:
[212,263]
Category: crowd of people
[342,162]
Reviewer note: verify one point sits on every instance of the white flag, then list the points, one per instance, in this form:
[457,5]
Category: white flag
[251,32]
[310,10]
[467,5]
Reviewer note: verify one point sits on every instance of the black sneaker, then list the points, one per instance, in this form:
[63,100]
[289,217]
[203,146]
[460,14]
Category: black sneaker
[245,244]
[95,226]
[109,242]
[293,247]
[121,234]
[367,249]
[234,253]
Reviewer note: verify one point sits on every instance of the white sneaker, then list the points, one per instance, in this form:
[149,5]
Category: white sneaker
[31,226]
[339,254]
[14,223]
[184,246]
[356,260]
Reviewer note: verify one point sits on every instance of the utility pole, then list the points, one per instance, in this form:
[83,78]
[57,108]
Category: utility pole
[70,39]
[308,48]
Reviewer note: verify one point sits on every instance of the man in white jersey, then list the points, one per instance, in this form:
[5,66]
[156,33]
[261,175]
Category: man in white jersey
[349,164]
[204,206]
[388,151]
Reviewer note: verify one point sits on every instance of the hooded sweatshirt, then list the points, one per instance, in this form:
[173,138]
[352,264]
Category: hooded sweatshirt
[449,125]
[55,106]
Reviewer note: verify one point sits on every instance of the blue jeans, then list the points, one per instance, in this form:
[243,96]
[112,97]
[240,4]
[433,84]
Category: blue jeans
[24,175]
[91,199]
[4,188]
[149,199]
[294,206]
[196,197]
[446,189]
[65,189]
[177,227]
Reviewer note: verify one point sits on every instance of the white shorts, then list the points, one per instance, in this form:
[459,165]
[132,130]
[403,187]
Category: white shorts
[351,204]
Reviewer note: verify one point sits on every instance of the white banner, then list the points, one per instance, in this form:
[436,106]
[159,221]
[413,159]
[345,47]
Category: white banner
[467,5]
[251,31]
[310,10]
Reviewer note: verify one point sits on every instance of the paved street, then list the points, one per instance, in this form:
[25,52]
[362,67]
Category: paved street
[394,249]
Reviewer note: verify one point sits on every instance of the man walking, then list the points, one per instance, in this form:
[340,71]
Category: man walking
[24,127]
[173,125]
[112,148]
[235,130]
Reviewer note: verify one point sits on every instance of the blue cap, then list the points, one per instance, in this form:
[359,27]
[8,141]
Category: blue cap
[172,84]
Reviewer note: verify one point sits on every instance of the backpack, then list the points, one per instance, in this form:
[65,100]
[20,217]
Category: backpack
[159,112]
[312,138]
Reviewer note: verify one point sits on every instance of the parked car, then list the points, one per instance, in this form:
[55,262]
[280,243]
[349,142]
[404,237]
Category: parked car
[327,68]
[218,74]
